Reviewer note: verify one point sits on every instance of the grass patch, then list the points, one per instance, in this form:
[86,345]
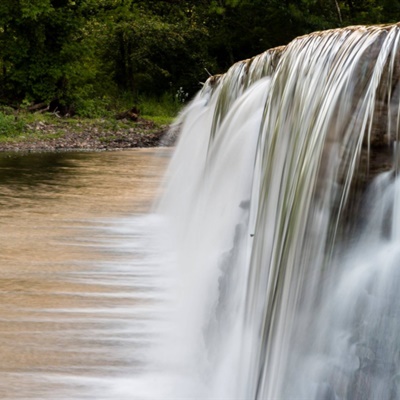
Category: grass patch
[10,125]
[162,111]
[22,125]
[159,119]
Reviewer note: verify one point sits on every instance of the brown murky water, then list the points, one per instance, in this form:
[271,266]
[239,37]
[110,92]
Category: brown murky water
[75,270]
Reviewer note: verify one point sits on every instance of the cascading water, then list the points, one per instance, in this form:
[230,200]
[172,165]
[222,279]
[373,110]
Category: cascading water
[284,225]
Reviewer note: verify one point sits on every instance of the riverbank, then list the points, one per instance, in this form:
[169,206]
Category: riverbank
[63,134]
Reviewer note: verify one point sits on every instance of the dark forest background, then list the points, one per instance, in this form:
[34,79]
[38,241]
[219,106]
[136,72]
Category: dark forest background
[87,55]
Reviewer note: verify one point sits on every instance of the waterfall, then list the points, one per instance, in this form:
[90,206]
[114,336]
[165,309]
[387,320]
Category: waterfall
[282,208]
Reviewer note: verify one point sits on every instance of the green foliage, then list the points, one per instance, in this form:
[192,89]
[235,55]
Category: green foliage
[34,39]
[166,106]
[153,47]
[84,55]
[10,125]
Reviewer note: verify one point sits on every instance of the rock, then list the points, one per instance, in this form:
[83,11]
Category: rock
[131,115]
[82,136]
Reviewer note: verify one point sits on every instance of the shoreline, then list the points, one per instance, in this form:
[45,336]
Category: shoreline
[88,136]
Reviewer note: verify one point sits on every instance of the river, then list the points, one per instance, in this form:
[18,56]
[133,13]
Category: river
[78,275]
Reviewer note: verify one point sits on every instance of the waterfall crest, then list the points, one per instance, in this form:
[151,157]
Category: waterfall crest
[282,208]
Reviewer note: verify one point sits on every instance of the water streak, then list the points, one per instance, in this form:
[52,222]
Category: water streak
[286,265]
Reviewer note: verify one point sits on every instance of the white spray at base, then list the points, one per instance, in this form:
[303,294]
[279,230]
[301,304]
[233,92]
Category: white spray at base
[287,257]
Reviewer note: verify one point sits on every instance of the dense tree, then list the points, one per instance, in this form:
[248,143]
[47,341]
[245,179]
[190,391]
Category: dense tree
[38,43]
[79,50]
[153,46]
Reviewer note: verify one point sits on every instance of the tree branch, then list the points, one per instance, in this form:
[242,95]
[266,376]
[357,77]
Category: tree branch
[338,11]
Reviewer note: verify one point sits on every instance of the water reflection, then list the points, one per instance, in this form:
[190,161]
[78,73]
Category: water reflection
[78,270]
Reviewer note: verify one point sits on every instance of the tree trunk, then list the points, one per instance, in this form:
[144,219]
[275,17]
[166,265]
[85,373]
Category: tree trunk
[338,11]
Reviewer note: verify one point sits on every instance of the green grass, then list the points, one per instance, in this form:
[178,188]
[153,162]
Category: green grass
[10,125]
[159,120]
[164,109]
[161,110]
[22,125]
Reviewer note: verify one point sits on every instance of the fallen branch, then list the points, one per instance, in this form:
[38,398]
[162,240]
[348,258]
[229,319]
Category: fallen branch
[38,107]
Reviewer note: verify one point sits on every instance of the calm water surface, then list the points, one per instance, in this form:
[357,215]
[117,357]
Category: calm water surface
[78,272]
